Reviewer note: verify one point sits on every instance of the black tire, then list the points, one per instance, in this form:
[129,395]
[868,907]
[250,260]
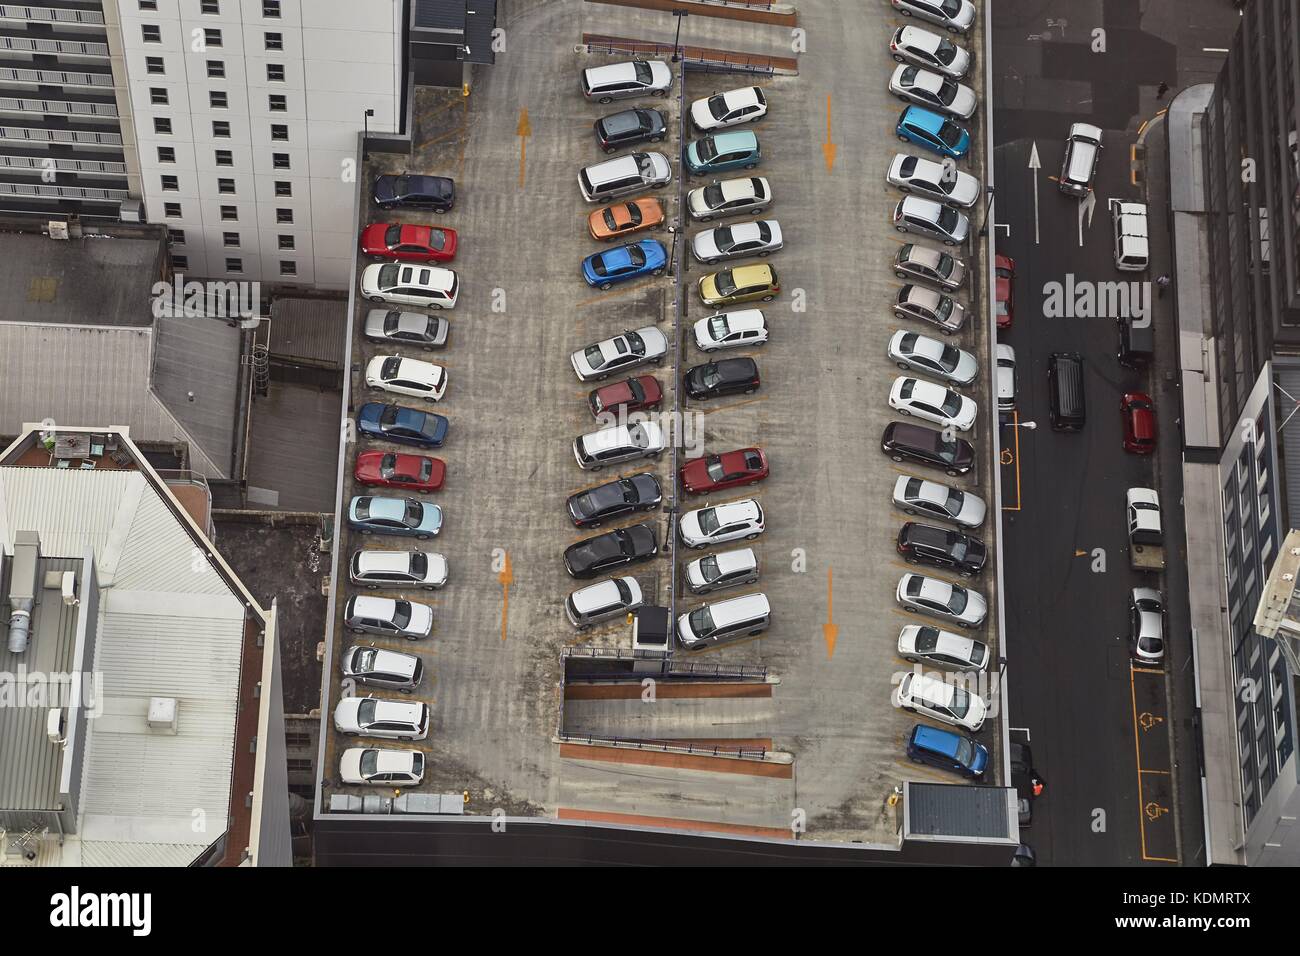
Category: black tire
[768,298]
[904,366]
[900,273]
[605,100]
[899,458]
[751,165]
[606,286]
[900,59]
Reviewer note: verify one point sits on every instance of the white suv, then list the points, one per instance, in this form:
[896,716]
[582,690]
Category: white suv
[376,717]
[720,523]
[404,376]
[393,283]
[384,768]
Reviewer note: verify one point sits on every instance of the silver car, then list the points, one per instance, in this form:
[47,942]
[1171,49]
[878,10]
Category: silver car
[912,84]
[1006,377]
[930,179]
[930,265]
[930,499]
[376,717]
[929,218]
[921,642]
[913,351]
[729,197]
[761,237]
[955,16]
[722,570]
[1147,624]
[934,52]
[915,302]
[406,328]
[942,599]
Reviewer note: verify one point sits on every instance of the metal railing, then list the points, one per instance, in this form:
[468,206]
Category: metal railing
[42,191]
[16,11]
[13,74]
[63,165]
[32,134]
[660,746]
[67,47]
[23,104]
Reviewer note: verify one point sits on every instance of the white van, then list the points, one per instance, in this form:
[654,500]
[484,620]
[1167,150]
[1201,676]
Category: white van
[616,81]
[624,175]
[1129,228]
[712,624]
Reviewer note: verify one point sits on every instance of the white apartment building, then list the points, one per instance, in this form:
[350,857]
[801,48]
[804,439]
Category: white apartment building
[244,117]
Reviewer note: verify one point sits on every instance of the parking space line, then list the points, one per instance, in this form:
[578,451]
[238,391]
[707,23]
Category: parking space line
[727,408]
[1015,458]
[615,293]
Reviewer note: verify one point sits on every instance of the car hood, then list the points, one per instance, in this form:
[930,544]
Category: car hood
[963,104]
[965,190]
[421,618]
[372,237]
[700,115]
[384,189]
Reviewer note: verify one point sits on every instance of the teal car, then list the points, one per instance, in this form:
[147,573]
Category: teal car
[721,152]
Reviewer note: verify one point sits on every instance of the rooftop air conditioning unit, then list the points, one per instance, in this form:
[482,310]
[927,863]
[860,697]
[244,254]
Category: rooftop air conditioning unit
[58,229]
[54,726]
[131,210]
[162,714]
[22,588]
[68,588]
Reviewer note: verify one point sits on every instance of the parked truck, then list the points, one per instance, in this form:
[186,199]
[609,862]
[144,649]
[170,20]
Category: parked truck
[1146,541]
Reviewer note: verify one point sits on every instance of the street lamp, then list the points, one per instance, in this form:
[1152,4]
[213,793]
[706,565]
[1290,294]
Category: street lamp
[365,120]
[988,203]
[679,14]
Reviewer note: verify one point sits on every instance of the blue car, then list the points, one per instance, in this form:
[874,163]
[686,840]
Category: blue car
[722,151]
[603,269]
[947,751]
[398,423]
[932,131]
[373,514]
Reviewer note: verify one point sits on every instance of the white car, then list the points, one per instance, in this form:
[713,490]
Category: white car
[924,176]
[1147,625]
[932,403]
[616,81]
[721,523]
[919,643]
[1006,357]
[722,570]
[955,16]
[761,237]
[917,496]
[395,283]
[729,197]
[932,90]
[376,717]
[939,598]
[932,219]
[915,302]
[620,353]
[945,702]
[930,50]
[398,569]
[731,108]
[406,376]
[729,330]
[384,768]
[617,444]
[914,352]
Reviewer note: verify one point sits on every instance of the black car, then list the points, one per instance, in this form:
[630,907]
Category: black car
[926,544]
[629,126]
[723,377]
[625,496]
[415,192]
[903,441]
[611,550]
[1025,779]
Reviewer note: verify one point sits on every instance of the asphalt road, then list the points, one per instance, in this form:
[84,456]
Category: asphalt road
[1104,734]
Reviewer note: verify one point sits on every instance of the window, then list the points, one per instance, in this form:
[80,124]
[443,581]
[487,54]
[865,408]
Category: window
[210,6]
[211,36]
[226,186]
[288,267]
[151,33]
[172,210]
[280,160]
[278,103]
[284,216]
[275,72]
[157,96]
[171,184]
[229,214]
[176,237]
[230,239]
[225,157]
[271,9]
[180,263]
[274,41]
[148,4]
[166,154]
[217,99]
[221,128]
[216,69]
[283,188]
[154,64]
[287,243]
[234,265]
[162,126]
[279,132]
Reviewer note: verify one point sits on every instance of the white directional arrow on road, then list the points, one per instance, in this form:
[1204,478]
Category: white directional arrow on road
[1035,165]
[1086,207]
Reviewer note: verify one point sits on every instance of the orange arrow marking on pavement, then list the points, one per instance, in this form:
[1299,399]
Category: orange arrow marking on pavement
[523,131]
[506,576]
[828,147]
[830,630]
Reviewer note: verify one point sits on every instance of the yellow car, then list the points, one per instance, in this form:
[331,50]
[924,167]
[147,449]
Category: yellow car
[741,284]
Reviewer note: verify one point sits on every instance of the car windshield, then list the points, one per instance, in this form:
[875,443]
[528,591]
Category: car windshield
[364,660]
[595,358]
[643,74]
[388,275]
[391,364]
[635,344]
[908,76]
[392,235]
[369,762]
[389,415]
[419,564]
[927,639]
[958,601]
[402,614]
[637,256]
[715,469]
[946,262]
[948,92]
[946,52]
[718,106]
[638,436]
[718,327]
[951,7]
[710,376]
[706,150]
[725,282]
[952,404]
[950,133]
[946,450]
[950,356]
[948,220]
[965,752]
[709,520]
[954,502]
[958,546]
[709,568]
[414,512]
[713,195]
[366,711]
[944,308]
[960,705]
[724,238]
[701,622]
[645,165]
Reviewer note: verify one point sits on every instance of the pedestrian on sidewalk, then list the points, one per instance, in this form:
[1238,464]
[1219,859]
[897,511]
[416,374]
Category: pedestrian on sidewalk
[1161,90]
[1162,283]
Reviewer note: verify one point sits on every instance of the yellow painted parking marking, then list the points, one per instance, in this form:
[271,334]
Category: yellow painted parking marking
[929,572]
[1015,458]
[1149,811]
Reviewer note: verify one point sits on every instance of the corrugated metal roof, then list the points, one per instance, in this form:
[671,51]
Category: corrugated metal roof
[1289,379]
[439,14]
[196,375]
[480,21]
[960,811]
[103,853]
[309,330]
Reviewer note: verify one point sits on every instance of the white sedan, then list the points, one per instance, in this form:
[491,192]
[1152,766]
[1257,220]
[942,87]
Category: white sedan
[729,109]
[924,176]
[729,197]
[728,330]
[917,496]
[961,606]
[405,376]
[916,85]
[721,523]
[923,48]
[394,283]
[933,403]
[619,353]
[955,16]
[914,352]
[758,238]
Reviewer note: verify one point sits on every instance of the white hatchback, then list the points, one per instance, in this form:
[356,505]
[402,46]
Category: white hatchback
[945,702]
[383,768]
[405,376]
[729,330]
[429,287]
[721,523]
[376,717]
[731,108]
[619,353]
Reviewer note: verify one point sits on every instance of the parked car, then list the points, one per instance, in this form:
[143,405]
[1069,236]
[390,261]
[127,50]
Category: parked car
[622,496]
[729,197]
[921,643]
[739,284]
[917,496]
[377,717]
[930,50]
[725,569]
[932,131]
[941,548]
[614,81]
[933,403]
[369,665]
[1004,290]
[1146,611]
[408,242]
[602,270]
[926,305]
[374,514]
[947,750]
[624,218]
[903,441]
[929,265]
[942,599]
[720,622]
[381,768]
[761,237]
[931,219]
[1006,359]
[731,469]
[925,176]
[631,395]
[1139,414]
[397,569]
[1027,782]
[394,283]
[743,328]
[435,193]
[406,328]
[619,353]
[387,617]
[602,601]
[611,551]
[718,524]
[1082,151]
[912,351]
[386,469]
[955,16]
[629,127]
[401,424]
[720,152]
[918,85]
[618,443]
[630,173]
[405,376]
[729,108]
[731,376]
[923,694]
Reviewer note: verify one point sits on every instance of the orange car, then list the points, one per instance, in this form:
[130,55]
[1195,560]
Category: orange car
[624,218]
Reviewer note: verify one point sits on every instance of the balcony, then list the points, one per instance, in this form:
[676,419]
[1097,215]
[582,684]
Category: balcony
[69,47]
[17,11]
[65,78]
[24,104]
[90,167]
[72,137]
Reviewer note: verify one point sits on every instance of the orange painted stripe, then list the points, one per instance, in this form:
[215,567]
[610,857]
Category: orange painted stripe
[666,689]
[654,758]
[668,823]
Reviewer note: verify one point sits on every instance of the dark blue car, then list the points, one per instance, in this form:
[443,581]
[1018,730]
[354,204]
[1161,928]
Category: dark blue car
[932,131]
[603,269]
[947,750]
[398,423]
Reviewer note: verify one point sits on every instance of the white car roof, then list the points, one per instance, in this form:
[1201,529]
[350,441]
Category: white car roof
[1087,130]
[916,206]
[741,188]
[736,560]
[618,436]
[384,709]
[1143,496]
[364,605]
[920,39]
[384,560]
[625,72]
[741,319]
[926,80]
[410,368]
[924,255]
[926,169]
[604,593]
[924,345]
[745,510]
[924,390]
[920,295]
[745,96]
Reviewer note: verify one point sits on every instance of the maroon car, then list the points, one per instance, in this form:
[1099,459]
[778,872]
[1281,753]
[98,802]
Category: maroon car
[744,466]
[1004,291]
[641,394]
[406,242]
[387,469]
[1139,414]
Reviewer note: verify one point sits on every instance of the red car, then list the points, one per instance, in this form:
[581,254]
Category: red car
[395,470]
[1005,270]
[641,394]
[1139,423]
[408,243]
[744,466]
